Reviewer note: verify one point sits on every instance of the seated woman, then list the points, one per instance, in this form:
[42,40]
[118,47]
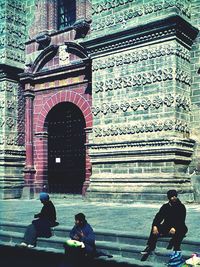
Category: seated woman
[42,226]
[83,236]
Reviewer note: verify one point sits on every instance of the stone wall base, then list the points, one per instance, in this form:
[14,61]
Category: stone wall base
[147,192]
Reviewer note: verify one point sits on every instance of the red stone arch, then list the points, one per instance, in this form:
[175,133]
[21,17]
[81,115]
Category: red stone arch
[61,97]
[40,139]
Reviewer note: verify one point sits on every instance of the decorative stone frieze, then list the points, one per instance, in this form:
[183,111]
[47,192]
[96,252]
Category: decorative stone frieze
[8,86]
[140,10]
[142,127]
[143,78]
[165,142]
[138,55]
[21,117]
[10,122]
[156,102]
[169,27]
[11,104]
[13,31]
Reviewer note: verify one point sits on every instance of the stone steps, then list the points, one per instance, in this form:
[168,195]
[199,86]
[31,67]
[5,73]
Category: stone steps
[122,245]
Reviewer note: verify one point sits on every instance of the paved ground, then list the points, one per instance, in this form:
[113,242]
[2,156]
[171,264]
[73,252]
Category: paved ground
[132,218]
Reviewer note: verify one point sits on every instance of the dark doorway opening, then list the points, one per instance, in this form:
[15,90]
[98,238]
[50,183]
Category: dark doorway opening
[66,149]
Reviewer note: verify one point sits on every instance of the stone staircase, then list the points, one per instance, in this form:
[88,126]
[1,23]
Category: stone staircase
[124,247]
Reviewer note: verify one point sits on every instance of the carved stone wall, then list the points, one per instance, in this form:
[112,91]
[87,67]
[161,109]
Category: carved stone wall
[13,34]
[140,144]
[144,96]
[113,15]
[195,101]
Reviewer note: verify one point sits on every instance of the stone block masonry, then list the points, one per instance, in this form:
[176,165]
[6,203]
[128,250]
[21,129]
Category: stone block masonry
[13,34]
[141,143]
[132,70]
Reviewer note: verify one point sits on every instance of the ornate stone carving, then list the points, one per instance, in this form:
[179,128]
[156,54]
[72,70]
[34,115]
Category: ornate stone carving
[155,102]
[10,122]
[143,78]
[150,126]
[10,140]
[81,27]
[63,55]
[43,40]
[189,144]
[2,122]
[141,55]
[2,104]
[8,86]
[10,104]
[21,117]
[13,30]
[136,11]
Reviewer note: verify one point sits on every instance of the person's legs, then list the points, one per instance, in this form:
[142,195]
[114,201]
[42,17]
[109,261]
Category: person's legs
[30,236]
[152,240]
[151,243]
[177,240]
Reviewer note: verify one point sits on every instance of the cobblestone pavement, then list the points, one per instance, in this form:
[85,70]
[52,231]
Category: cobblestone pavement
[133,218]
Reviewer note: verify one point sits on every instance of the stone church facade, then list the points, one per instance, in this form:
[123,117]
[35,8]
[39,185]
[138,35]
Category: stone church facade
[100,98]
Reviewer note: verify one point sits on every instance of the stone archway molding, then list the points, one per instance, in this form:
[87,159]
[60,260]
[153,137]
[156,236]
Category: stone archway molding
[60,97]
[46,55]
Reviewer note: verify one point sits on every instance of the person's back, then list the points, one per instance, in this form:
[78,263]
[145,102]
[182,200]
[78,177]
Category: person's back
[41,227]
[48,212]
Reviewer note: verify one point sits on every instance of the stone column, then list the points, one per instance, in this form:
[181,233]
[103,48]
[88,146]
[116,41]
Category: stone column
[88,165]
[40,24]
[41,161]
[29,165]
[52,16]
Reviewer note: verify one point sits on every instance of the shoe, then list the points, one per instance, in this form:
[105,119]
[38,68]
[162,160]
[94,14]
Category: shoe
[144,257]
[147,250]
[23,244]
[170,246]
[30,246]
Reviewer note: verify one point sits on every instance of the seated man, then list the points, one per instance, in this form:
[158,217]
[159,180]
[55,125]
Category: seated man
[42,226]
[169,221]
[83,233]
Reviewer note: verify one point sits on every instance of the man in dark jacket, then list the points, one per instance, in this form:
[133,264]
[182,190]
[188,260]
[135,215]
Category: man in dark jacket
[169,221]
[42,226]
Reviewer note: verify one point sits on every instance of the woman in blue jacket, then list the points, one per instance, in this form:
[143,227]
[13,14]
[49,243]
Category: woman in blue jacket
[83,232]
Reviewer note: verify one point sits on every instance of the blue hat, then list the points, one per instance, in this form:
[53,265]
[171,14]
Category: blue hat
[44,196]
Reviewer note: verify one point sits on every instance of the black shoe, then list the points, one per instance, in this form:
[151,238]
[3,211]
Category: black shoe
[144,257]
[170,246]
[146,251]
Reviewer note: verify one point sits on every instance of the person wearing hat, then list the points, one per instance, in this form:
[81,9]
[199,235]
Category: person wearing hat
[169,221]
[41,227]
[82,237]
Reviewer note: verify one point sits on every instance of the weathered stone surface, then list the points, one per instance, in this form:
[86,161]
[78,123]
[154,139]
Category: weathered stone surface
[141,99]
[131,67]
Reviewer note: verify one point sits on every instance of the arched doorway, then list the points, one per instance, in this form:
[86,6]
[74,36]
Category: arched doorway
[66,149]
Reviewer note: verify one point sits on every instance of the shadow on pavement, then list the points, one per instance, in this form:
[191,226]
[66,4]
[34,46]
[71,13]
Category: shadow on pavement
[24,257]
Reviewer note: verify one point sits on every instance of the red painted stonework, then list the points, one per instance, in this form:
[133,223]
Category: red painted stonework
[69,96]
[37,138]
[49,90]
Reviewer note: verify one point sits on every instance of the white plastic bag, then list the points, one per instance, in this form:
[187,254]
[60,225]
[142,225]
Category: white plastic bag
[194,260]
